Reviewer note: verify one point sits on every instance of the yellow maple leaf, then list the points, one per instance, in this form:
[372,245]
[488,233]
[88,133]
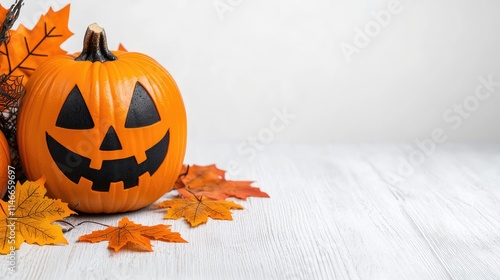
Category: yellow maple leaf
[26,49]
[28,217]
[130,233]
[197,210]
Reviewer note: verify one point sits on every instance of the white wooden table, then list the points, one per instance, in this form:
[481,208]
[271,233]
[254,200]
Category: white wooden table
[334,213]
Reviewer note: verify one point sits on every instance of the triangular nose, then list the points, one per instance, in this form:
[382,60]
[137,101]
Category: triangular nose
[111,141]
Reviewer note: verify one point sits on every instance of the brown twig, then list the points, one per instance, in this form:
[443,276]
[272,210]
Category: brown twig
[185,173]
[80,223]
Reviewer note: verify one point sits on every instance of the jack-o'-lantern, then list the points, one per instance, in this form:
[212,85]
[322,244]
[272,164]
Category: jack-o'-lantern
[4,164]
[106,129]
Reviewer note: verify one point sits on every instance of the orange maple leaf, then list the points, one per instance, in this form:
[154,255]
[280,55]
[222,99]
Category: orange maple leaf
[197,210]
[26,49]
[132,234]
[28,217]
[121,47]
[178,183]
[210,181]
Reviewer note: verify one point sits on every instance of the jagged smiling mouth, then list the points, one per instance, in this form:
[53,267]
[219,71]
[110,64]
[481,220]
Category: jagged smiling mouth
[126,170]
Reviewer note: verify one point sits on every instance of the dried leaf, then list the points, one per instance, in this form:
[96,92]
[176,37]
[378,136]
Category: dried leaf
[197,210]
[199,175]
[223,190]
[28,217]
[27,49]
[178,183]
[132,234]
[209,181]
[121,47]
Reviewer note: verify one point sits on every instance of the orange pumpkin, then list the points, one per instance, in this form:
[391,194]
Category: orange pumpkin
[106,129]
[4,164]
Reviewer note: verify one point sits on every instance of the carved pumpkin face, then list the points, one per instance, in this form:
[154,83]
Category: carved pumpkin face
[108,136]
[142,112]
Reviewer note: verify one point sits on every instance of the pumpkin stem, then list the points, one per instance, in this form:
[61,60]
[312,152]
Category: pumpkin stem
[95,46]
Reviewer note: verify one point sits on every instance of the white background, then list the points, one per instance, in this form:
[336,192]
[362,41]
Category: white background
[366,212]
[235,68]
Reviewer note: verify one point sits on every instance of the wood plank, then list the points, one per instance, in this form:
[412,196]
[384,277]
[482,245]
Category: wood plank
[454,202]
[332,215]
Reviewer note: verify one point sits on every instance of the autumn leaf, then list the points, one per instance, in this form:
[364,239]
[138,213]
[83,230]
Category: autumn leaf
[26,49]
[121,47]
[29,216]
[198,175]
[178,183]
[223,190]
[130,233]
[197,210]
[209,181]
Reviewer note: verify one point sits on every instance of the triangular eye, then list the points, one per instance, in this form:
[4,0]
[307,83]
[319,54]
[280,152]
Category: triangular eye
[142,111]
[74,113]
